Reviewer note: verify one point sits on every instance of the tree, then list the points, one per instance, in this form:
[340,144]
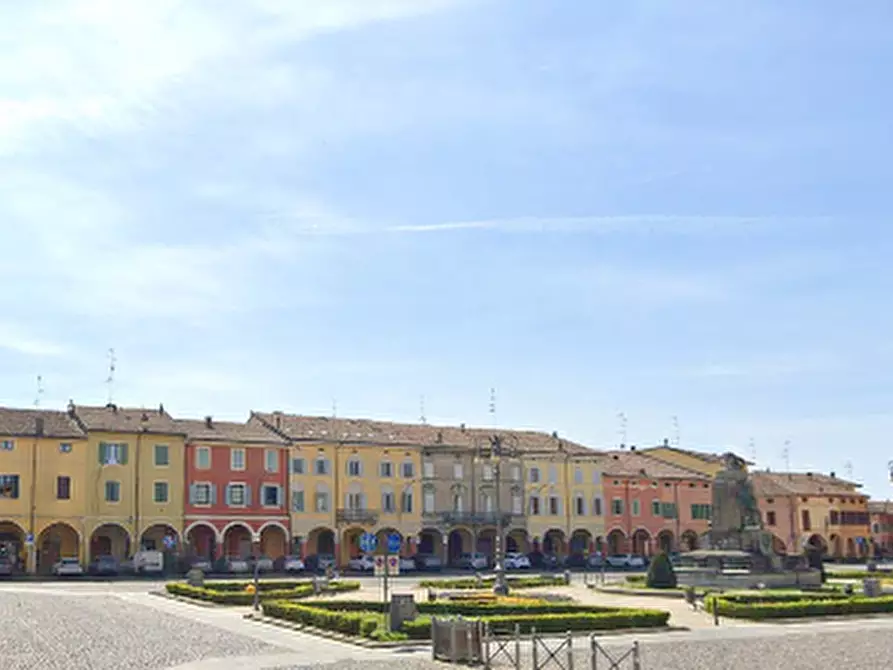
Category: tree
[660,573]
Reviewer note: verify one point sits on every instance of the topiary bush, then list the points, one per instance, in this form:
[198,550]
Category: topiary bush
[661,574]
[230,595]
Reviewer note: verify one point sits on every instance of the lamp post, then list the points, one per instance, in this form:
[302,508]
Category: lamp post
[500,586]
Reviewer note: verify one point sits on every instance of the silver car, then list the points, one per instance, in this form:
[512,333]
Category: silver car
[68,567]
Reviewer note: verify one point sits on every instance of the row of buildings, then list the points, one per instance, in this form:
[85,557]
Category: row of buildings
[91,481]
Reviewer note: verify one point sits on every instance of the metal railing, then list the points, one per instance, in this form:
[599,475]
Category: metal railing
[475,518]
[360,516]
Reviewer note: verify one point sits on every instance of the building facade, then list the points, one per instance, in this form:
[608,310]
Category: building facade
[881,514]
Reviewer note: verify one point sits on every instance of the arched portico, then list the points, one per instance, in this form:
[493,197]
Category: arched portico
[237,540]
[273,540]
[616,542]
[459,542]
[836,546]
[641,542]
[517,541]
[57,541]
[160,537]
[689,540]
[431,543]
[554,542]
[581,541]
[665,541]
[202,539]
[321,541]
[110,539]
[350,544]
[12,542]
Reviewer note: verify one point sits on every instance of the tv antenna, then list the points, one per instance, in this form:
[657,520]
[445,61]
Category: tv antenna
[676,439]
[752,448]
[622,417]
[848,469]
[39,392]
[110,381]
[422,418]
[786,455]
[493,405]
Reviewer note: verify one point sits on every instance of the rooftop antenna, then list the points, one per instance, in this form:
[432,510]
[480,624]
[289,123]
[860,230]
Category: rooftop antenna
[752,447]
[848,469]
[786,455]
[111,378]
[493,405]
[622,417]
[39,392]
[422,418]
[676,439]
[334,408]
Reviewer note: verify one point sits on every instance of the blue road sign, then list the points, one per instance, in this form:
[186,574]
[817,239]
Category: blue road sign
[394,542]
[368,542]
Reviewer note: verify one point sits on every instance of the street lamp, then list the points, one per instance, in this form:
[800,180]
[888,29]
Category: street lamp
[500,585]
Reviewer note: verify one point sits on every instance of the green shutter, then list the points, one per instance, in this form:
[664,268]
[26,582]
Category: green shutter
[103,453]
[123,453]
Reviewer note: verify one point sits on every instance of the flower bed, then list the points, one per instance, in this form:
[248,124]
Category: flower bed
[239,593]
[789,606]
[470,583]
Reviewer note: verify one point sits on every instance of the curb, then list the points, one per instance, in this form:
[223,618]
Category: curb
[191,601]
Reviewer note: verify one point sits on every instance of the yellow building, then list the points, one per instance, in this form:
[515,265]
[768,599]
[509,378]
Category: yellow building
[42,499]
[699,461]
[134,481]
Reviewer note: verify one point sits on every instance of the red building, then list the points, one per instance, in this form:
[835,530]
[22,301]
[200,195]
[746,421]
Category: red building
[651,505]
[237,488]
[881,514]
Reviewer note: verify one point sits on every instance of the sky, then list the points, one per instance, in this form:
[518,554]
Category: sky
[613,214]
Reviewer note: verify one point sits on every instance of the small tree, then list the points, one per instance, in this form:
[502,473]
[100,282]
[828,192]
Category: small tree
[660,573]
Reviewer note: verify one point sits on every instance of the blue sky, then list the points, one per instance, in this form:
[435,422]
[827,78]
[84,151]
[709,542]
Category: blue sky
[656,208]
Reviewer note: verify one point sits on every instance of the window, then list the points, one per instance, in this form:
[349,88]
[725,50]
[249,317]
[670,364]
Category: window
[487,472]
[297,500]
[655,508]
[113,453]
[428,501]
[162,455]
[487,503]
[321,501]
[534,475]
[160,492]
[428,469]
[668,510]
[458,471]
[271,495]
[408,470]
[636,507]
[65,447]
[617,506]
[701,512]
[578,475]
[834,518]
[553,474]
[237,459]
[356,501]
[7,445]
[386,469]
[271,460]
[203,458]
[237,495]
[596,477]
[770,518]
[406,502]
[63,488]
[298,466]
[516,472]
[458,503]
[580,505]
[203,494]
[517,504]
[534,505]
[804,517]
[322,466]
[112,491]
[387,502]
[597,506]
[554,506]
[354,468]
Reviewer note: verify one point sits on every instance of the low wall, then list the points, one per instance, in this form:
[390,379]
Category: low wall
[748,580]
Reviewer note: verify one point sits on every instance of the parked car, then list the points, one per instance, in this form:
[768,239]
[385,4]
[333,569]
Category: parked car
[264,563]
[203,564]
[364,563]
[638,562]
[235,565]
[428,562]
[68,567]
[292,564]
[595,561]
[575,560]
[407,564]
[7,568]
[516,561]
[625,561]
[319,562]
[148,562]
[106,566]
[541,561]
[473,561]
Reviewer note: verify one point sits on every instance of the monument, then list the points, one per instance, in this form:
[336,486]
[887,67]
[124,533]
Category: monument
[739,552]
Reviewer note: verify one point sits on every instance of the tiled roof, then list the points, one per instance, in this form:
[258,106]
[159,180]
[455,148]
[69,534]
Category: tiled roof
[114,419]
[635,464]
[706,456]
[803,483]
[369,431]
[229,431]
[24,423]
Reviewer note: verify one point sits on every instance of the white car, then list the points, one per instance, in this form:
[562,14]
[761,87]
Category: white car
[516,561]
[362,563]
[237,565]
[407,564]
[625,561]
[68,567]
[293,564]
[148,562]
[475,561]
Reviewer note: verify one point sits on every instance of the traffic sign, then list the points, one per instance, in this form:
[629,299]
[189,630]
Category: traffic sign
[394,543]
[393,566]
[170,541]
[368,542]
[379,566]
[29,539]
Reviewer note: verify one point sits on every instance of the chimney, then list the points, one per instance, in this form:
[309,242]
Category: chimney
[38,426]
[145,416]
[632,447]
[439,439]
[209,423]
[809,474]
[278,421]
[666,442]
[71,408]
[555,434]
[833,474]
[161,408]
[462,427]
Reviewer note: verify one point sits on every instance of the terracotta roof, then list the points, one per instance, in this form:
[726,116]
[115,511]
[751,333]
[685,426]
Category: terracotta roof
[114,419]
[369,431]
[803,483]
[635,464]
[210,430]
[24,423]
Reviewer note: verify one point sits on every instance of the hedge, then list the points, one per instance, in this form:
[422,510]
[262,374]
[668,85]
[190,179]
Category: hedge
[278,585]
[361,624]
[858,574]
[472,583]
[445,608]
[805,607]
[242,597]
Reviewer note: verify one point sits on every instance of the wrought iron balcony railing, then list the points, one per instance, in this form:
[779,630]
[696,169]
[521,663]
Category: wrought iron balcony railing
[475,518]
[361,516]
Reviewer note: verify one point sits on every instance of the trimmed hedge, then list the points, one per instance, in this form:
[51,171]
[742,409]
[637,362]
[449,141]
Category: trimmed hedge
[859,574]
[469,583]
[805,607]
[234,597]
[273,585]
[469,609]
[360,624]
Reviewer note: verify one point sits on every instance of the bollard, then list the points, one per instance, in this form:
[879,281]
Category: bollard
[434,638]
[517,646]
[715,612]
[593,652]
[637,662]
[569,641]
[536,664]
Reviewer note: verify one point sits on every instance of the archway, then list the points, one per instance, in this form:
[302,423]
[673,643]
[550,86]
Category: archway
[599,544]
[431,543]
[816,543]
[641,542]
[350,544]
[581,541]
[778,546]
[12,542]
[56,542]
[487,543]
[458,543]
[554,542]
[110,539]
[383,536]
[237,540]
[202,540]
[159,537]
[517,542]
[321,541]
[836,546]
[616,542]
[273,540]
[665,541]
[689,540]
[850,548]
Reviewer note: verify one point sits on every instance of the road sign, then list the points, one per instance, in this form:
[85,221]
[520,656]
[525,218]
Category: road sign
[393,566]
[368,542]
[394,543]
[170,541]
[379,566]
[29,539]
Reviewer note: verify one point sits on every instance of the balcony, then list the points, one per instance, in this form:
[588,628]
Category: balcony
[475,518]
[364,517]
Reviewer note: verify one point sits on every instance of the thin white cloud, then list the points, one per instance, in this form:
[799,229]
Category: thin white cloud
[772,367]
[19,341]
